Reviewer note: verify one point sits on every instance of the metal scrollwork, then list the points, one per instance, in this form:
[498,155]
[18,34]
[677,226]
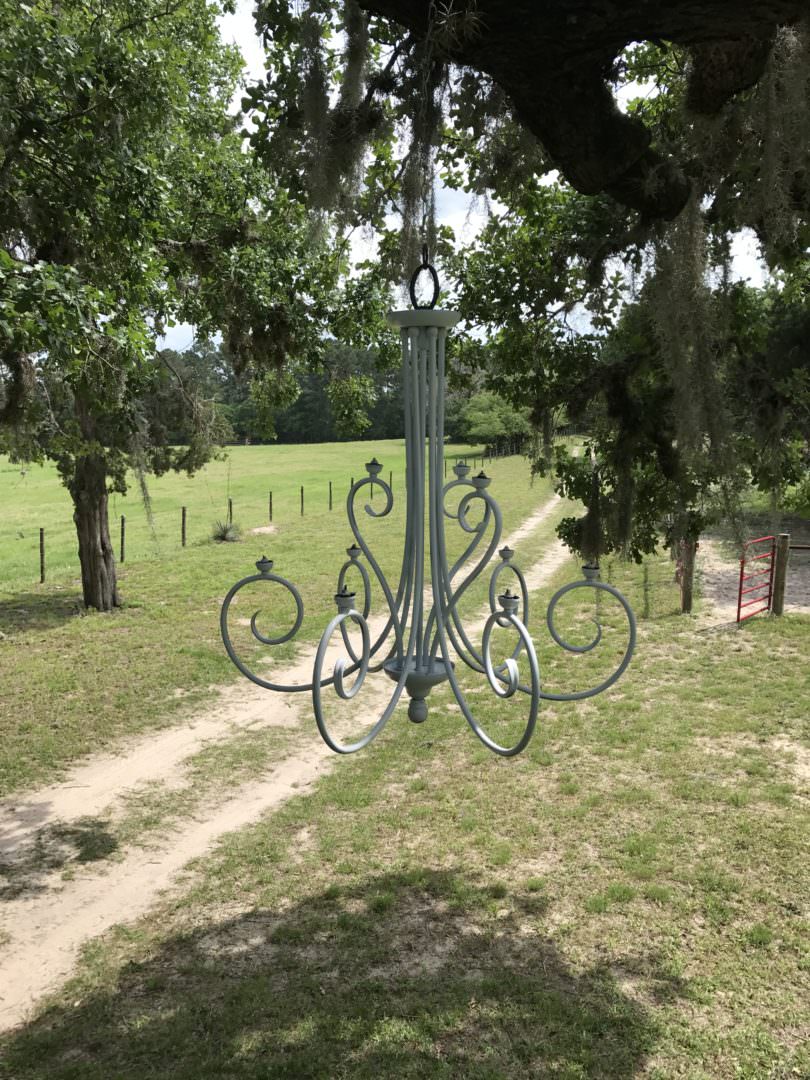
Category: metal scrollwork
[264,566]
[423,633]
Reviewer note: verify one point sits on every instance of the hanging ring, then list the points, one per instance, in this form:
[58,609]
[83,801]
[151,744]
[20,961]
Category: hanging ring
[424,265]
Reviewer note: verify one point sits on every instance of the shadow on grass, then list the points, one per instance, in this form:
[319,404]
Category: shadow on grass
[23,612]
[420,974]
[53,848]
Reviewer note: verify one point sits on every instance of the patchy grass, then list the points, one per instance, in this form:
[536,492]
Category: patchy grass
[628,898]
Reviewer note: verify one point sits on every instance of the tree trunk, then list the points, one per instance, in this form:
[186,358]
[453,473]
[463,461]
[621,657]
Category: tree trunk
[88,488]
[688,548]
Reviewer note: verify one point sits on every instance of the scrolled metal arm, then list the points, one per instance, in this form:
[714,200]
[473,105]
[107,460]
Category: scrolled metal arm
[396,607]
[264,566]
[599,586]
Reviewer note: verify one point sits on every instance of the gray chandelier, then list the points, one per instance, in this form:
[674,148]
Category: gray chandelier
[423,633]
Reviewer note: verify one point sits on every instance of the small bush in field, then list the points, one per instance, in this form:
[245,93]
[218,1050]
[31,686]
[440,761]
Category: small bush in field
[225,532]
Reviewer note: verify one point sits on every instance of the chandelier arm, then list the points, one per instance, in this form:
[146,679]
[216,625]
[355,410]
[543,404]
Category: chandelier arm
[581,695]
[354,564]
[228,643]
[453,597]
[267,684]
[480,532]
[318,682]
[456,626]
[402,606]
[470,655]
[601,586]
[524,591]
[435,517]
[394,620]
[447,487]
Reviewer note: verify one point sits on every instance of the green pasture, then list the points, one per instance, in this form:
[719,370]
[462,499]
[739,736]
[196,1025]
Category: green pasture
[71,681]
[32,497]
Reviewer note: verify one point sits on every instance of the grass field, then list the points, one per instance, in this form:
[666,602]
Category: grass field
[72,682]
[33,497]
[626,899]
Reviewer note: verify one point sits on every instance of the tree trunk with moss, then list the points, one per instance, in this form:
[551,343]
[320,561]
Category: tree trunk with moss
[88,489]
[85,477]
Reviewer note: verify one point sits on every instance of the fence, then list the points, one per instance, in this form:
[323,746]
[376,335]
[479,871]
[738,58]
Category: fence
[757,565]
[167,528]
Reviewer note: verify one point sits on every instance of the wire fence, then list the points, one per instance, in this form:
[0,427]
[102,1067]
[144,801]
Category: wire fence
[47,550]
[651,587]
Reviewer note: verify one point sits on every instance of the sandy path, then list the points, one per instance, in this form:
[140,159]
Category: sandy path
[94,785]
[719,581]
[45,931]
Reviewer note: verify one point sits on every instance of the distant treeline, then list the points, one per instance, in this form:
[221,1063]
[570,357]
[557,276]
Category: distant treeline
[477,417]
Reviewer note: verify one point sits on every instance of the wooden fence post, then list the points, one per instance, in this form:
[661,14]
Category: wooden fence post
[330,494]
[391,479]
[42,556]
[230,510]
[302,500]
[123,538]
[183,527]
[687,575]
[780,573]
[270,506]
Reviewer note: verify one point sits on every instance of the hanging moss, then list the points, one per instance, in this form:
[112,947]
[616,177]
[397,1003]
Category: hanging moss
[685,322]
[780,122]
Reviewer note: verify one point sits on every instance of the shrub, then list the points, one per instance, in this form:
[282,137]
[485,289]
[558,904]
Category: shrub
[225,532]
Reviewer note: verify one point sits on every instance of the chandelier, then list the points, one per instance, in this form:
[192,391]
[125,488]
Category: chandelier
[424,636]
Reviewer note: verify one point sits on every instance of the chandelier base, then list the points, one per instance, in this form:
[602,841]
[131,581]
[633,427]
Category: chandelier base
[419,681]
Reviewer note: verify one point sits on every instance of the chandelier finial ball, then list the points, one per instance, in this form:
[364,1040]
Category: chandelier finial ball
[417,710]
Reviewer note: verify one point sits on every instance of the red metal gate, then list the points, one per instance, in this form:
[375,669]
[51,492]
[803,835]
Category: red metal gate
[756,577]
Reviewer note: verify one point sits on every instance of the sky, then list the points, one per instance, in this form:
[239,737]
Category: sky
[465,216]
